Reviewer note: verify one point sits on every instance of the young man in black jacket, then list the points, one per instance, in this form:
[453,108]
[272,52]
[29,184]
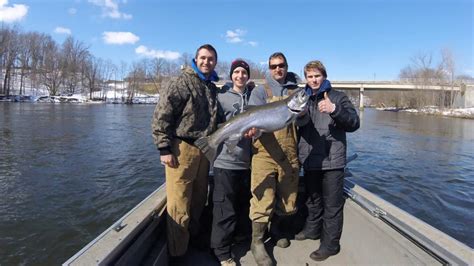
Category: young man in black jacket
[322,151]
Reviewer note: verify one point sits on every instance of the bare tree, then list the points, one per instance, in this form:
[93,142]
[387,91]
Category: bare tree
[423,72]
[92,70]
[4,39]
[108,71]
[448,67]
[35,42]
[171,69]
[51,69]
[156,73]
[185,59]
[464,78]
[74,53]
[223,69]
[123,71]
[24,58]
[406,74]
[257,71]
[10,51]
[136,79]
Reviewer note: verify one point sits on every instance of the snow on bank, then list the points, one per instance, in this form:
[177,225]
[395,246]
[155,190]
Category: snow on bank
[433,110]
[80,98]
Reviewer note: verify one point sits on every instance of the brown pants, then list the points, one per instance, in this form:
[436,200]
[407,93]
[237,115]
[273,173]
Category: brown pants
[274,190]
[186,192]
[275,173]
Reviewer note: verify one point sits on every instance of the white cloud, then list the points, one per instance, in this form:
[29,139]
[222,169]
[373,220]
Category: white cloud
[234,40]
[235,36]
[12,13]
[119,37]
[253,44]
[110,8]
[62,30]
[145,51]
[72,11]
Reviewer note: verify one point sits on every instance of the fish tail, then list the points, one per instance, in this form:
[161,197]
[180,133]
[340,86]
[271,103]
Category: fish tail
[208,150]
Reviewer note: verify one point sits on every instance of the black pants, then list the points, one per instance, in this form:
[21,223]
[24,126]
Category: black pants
[231,198]
[325,202]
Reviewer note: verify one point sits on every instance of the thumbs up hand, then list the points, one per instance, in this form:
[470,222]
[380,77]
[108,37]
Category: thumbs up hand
[325,105]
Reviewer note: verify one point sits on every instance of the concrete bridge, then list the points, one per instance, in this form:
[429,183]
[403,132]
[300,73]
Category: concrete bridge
[390,86]
[466,98]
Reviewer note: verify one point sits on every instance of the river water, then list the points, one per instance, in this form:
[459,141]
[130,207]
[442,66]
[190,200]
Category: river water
[67,172]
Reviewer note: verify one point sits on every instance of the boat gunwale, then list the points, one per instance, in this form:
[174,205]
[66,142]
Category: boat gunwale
[452,252]
[409,226]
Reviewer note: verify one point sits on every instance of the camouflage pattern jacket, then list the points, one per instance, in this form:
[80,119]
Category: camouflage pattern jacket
[187,110]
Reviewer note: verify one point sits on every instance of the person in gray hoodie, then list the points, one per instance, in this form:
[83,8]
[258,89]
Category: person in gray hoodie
[231,195]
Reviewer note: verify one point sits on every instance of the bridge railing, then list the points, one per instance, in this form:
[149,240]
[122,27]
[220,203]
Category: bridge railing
[376,85]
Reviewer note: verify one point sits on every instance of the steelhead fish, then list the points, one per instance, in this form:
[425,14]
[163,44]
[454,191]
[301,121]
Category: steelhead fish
[269,117]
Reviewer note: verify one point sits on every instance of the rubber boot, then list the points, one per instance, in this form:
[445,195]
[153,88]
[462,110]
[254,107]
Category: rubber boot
[308,232]
[258,247]
[277,235]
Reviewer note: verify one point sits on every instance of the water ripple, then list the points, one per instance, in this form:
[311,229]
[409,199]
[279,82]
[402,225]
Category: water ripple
[67,172]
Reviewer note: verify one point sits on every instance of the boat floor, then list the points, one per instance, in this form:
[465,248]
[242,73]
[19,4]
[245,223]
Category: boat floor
[365,240]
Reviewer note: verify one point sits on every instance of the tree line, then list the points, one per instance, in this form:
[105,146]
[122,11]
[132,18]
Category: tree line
[424,71]
[36,60]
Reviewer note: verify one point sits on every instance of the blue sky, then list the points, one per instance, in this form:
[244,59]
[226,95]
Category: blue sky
[356,40]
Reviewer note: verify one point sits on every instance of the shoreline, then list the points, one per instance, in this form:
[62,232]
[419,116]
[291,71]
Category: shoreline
[465,113]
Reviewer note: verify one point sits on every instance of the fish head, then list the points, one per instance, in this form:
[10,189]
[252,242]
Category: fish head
[298,101]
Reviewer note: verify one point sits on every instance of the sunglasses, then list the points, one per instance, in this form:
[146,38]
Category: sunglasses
[282,65]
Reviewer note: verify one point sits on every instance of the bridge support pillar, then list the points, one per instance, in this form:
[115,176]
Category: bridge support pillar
[361,98]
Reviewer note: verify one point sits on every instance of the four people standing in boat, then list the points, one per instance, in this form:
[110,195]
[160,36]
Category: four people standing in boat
[190,107]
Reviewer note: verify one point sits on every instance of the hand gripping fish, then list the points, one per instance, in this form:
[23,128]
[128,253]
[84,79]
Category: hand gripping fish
[267,118]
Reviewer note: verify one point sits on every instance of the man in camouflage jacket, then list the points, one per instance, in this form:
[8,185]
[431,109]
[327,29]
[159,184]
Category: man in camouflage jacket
[187,110]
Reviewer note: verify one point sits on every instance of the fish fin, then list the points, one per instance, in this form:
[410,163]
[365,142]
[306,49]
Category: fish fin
[206,148]
[232,142]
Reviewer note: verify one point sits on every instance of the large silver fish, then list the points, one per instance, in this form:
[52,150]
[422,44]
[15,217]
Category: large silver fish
[269,117]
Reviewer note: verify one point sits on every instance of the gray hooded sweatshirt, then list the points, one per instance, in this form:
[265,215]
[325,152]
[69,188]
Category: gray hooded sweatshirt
[233,103]
[259,95]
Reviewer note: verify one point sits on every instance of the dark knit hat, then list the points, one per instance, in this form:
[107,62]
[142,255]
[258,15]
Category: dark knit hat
[239,63]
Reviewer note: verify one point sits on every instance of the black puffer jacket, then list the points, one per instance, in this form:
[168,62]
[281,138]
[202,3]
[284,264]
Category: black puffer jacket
[322,137]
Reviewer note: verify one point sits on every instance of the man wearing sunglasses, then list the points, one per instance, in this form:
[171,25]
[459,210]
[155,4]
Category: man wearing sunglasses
[275,167]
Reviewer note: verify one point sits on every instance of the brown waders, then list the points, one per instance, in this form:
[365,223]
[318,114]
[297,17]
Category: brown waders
[274,184]
[186,192]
